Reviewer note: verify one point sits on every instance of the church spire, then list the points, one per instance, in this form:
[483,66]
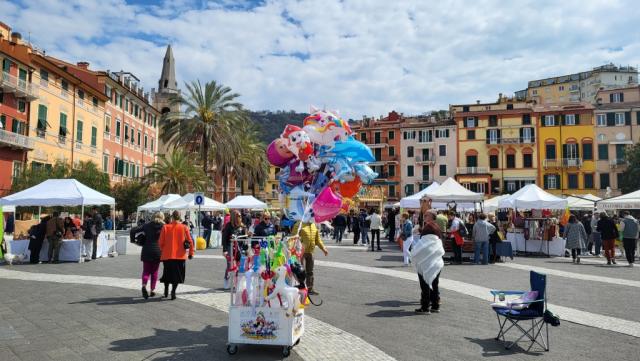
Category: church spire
[168,81]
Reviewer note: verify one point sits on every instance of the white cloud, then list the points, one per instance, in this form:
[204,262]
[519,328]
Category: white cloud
[362,57]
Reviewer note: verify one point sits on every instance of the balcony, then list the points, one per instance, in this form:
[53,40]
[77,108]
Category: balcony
[562,163]
[377,143]
[424,160]
[425,179]
[392,159]
[15,140]
[511,141]
[62,139]
[618,162]
[472,170]
[22,89]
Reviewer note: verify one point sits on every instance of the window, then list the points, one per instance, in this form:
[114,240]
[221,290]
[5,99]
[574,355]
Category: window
[570,151]
[620,150]
[117,128]
[94,136]
[493,120]
[619,118]
[44,76]
[493,161]
[139,138]
[570,119]
[408,189]
[526,119]
[492,136]
[549,120]
[616,97]
[601,120]
[471,134]
[535,92]
[573,181]
[146,139]
[107,91]
[377,153]
[511,186]
[409,171]
[604,180]
[443,170]
[472,161]
[587,151]
[392,191]
[442,133]
[1,96]
[126,104]
[363,137]
[603,151]
[527,160]
[409,134]
[442,150]
[126,132]
[392,151]
[561,88]
[425,172]
[42,118]
[551,181]
[588,181]
[105,163]
[425,136]
[6,65]
[94,101]
[392,170]
[22,106]
[471,122]
[132,135]
[376,138]
[63,125]
[3,121]
[391,135]
[511,161]
[410,151]
[152,148]
[17,169]
[80,94]
[527,135]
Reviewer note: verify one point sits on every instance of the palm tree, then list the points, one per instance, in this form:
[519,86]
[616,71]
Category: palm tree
[176,173]
[251,163]
[209,122]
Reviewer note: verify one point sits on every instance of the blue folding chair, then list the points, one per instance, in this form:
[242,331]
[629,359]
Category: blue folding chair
[510,318]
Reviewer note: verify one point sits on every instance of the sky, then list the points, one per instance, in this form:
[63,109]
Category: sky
[355,56]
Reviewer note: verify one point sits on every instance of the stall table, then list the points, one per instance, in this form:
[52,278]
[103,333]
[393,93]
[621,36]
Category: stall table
[555,246]
[70,250]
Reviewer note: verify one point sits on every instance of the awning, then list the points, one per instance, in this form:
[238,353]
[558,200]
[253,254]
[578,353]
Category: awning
[473,180]
[629,142]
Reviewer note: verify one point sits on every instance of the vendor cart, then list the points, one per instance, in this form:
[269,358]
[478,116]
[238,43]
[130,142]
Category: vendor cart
[252,320]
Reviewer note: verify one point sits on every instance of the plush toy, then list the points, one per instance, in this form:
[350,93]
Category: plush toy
[286,293]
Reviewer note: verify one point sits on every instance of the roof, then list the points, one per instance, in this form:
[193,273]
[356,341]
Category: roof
[58,192]
[450,191]
[54,66]
[18,52]
[245,202]
[532,197]
[625,201]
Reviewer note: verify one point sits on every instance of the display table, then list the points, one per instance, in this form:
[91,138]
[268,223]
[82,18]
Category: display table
[70,250]
[556,246]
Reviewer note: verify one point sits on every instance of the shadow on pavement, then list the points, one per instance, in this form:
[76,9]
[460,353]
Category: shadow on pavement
[492,348]
[393,313]
[115,301]
[392,303]
[208,344]
[389,258]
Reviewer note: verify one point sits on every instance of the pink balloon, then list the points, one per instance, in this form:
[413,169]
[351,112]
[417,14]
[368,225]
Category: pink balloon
[278,154]
[297,178]
[326,206]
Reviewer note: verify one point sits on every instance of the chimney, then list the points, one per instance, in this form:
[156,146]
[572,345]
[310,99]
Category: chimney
[83,65]
[477,102]
[16,37]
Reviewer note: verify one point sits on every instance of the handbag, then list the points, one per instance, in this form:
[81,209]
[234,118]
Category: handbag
[186,242]
[551,318]
[140,238]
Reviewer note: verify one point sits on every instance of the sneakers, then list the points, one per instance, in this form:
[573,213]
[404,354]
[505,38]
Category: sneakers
[578,260]
[435,310]
[630,264]
[422,311]
[145,294]
[608,262]
[613,261]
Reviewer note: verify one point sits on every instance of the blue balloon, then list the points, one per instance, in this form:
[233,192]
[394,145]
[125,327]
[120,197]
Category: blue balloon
[355,150]
[366,174]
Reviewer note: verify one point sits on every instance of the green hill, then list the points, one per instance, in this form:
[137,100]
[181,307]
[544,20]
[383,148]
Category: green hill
[272,123]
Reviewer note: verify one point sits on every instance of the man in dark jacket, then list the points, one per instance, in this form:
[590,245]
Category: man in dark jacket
[339,224]
[265,228]
[36,238]
[391,223]
[609,232]
[54,232]
[99,224]
[206,223]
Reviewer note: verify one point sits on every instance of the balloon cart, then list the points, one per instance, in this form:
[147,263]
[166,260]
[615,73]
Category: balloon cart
[265,306]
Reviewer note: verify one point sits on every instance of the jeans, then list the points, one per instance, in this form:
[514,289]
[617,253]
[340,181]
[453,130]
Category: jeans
[87,246]
[457,251]
[597,242]
[207,236]
[629,248]
[429,296]
[364,235]
[339,233]
[485,252]
[150,270]
[375,233]
[54,248]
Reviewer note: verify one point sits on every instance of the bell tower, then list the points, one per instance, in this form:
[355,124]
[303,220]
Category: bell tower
[167,90]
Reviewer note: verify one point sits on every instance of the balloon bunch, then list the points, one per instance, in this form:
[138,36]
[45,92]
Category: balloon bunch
[322,167]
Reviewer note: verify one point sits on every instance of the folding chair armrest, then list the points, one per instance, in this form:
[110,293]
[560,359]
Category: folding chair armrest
[524,303]
[507,293]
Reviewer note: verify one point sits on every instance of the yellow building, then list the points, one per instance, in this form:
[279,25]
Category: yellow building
[67,118]
[266,192]
[566,146]
[497,150]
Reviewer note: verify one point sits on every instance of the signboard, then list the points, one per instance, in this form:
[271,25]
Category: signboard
[198,199]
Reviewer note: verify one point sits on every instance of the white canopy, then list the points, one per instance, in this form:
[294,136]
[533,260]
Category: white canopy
[582,202]
[58,192]
[491,205]
[245,202]
[413,201]
[625,201]
[188,202]
[450,190]
[8,209]
[159,203]
[532,197]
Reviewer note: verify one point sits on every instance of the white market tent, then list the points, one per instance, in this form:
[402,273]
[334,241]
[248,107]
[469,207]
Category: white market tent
[246,202]
[450,190]
[187,202]
[413,201]
[58,192]
[585,202]
[532,197]
[491,205]
[159,203]
[625,201]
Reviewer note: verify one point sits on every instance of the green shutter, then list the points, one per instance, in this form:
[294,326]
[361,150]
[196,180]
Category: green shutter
[117,129]
[42,117]
[3,121]
[6,65]
[79,132]
[611,119]
[577,119]
[627,118]
[63,124]
[94,136]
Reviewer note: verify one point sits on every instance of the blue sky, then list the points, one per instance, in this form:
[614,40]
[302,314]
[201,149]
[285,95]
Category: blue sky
[360,57]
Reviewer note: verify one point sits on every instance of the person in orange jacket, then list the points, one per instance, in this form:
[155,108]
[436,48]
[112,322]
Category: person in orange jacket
[175,243]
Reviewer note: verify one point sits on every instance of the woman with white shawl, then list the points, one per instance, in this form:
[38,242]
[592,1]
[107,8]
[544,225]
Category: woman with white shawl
[426,256]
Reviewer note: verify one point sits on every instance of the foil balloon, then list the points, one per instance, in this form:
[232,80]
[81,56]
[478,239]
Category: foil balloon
[326,205]
[326,127]
[353,149]
[298,142]
[278,154]
[347,203]
[366,174]
[297,177]
[348,189]
[295,203]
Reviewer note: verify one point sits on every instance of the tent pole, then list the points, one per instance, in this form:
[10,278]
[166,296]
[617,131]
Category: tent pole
[81,245]
[39,212]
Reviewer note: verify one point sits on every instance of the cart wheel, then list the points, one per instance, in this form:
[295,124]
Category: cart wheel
[286,351]
[232,349]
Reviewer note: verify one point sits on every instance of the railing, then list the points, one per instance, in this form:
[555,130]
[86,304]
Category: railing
[424,160]
[564,163]
[372,143]
[23,88]
[16,140]
[41,133]
[529,140]
[472,170]
[618,162]
[62,139]
[64,94]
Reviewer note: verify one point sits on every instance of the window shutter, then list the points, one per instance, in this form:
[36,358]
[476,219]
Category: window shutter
[533,135]
[627,118]
[577,151]
[564,150]
[577,119]
[611,119]
[488,140]
[546,182]
[561,119]
[499,131]
[521,134]
[42,116]
[621,97]
[611,98]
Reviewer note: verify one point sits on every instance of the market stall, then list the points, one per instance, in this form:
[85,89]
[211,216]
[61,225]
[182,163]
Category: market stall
[625,201]
[245,202]
[61,193]
[413,201]
[585,202]
[536,233]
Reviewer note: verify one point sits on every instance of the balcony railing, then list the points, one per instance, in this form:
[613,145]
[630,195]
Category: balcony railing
[528,140]
[377,143]
[23,89]
[472,170]
[16,140]
[564,163]
[618,162]
[424,160]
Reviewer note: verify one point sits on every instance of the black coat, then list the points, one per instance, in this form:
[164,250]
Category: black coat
[150,249]
[607,229]
[340,221]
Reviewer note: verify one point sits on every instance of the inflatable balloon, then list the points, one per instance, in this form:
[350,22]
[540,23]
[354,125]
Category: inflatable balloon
[298,142]
[296,177]
[353,149]
[326,127]
[326,205]
[295,203]
[347,203]
[348,189]
[278,154]
[343,172]
[366,174]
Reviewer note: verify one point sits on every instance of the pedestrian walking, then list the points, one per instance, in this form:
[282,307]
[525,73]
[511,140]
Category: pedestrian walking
[364,224]
[216,230]
[89,229]
[310,238]
[99,224]
[391,218]
[586,223]
[108,223]
[595,235]
[429,292]
[339,226]
[265,228]
[54,232]
[376,227]
[481,233]
[37,235]
[629,229]
[609,232]
[207,222]
[175,244]
[494,238]
[406,235]
[355,225]
[234,227]
[150,254]
[576,237]
[456,237]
